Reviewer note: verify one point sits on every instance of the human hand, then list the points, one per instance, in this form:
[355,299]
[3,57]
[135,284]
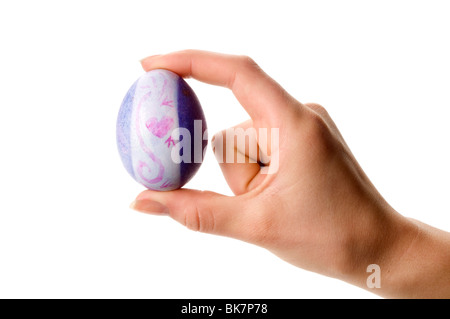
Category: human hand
[318,211]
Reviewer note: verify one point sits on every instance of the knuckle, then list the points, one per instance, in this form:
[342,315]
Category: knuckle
[317,108]
[319,137]
[318,121]
[198,217]
[242,64]
[247,61]
[192,218]
[317,127]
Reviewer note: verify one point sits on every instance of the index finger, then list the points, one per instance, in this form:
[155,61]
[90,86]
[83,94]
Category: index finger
[262,97]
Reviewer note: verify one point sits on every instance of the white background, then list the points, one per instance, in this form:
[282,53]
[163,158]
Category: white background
[381,68]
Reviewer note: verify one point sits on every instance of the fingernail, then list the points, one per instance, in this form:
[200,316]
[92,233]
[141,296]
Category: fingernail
[149,57]
[149,207]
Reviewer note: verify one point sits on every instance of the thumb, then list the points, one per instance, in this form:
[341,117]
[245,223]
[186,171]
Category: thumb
[202,211]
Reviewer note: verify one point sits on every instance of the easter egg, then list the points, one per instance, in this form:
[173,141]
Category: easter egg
[161,131]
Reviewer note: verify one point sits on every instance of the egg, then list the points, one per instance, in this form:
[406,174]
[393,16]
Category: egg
[161,131]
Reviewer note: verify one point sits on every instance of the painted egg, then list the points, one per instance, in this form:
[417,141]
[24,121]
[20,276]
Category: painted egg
[161,131]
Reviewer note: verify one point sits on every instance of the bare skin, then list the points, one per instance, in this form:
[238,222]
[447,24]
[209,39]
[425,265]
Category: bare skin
[319,211]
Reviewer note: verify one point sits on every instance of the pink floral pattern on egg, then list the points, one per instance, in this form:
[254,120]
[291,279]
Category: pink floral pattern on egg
[161,127]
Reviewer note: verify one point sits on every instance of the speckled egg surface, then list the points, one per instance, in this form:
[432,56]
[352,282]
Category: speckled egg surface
[161,131]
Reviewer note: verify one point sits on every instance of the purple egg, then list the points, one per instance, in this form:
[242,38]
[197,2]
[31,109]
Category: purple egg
[161,131]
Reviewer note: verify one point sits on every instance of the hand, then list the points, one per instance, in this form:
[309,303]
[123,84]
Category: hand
[319,211]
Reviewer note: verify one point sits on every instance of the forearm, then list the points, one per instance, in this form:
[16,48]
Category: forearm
[413,259]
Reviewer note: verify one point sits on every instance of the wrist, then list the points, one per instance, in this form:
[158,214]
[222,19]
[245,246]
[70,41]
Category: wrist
[422,270]
[375,249]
